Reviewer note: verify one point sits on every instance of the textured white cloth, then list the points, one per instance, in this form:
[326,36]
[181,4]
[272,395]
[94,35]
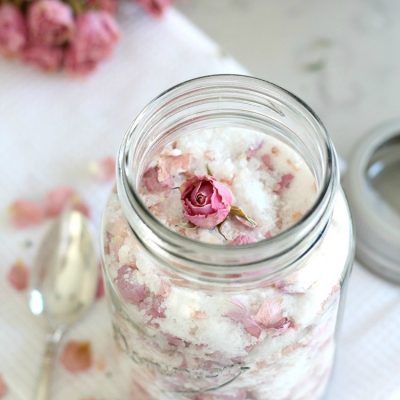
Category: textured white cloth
[51,127]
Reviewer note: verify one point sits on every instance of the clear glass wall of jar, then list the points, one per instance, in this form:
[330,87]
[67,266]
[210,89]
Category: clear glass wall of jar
[177,323]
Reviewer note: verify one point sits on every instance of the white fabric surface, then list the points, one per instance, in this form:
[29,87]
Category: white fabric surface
[51,127]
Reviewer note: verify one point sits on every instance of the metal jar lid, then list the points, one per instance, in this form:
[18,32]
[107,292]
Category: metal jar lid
[372,185]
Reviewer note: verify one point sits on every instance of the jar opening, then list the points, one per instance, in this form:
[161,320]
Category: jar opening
[217,101]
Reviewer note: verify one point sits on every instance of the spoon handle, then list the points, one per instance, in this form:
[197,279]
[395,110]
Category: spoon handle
[43,385]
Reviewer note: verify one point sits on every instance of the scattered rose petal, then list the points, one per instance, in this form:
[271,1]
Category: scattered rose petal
[242,239]
[103,170]
[18,275]
[269,314]
[24,213]
[130,290]
[268,235]
[151,182]
[172,166]
[82,207]
[64,198]
[77,356]
[283,183]
[266,159]
[3,387]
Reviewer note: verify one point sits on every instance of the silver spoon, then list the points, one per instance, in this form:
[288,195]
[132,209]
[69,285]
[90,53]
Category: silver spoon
[63,282]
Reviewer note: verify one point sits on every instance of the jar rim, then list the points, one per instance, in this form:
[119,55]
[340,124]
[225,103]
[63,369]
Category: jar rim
[223,256]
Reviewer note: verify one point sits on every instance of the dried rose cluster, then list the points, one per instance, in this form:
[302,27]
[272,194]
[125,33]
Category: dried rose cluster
[72,35]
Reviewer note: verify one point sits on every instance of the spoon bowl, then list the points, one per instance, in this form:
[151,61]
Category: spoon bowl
[63,282]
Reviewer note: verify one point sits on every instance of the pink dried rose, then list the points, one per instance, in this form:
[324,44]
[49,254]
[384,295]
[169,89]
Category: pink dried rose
[242,239]
[206,202]
[96,34]
[13,32]
[50,22]
[77,356]
[103,169]
[284,183]
[3,387]
[152,183]
[64,198]
[44,57]
[156,8]
[130,290]
[24,213]
[18,275]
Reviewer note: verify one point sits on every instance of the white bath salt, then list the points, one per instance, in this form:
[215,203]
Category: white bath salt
[267,178]
[273,341]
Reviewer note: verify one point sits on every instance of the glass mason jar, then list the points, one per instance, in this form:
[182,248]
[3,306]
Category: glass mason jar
[183,313]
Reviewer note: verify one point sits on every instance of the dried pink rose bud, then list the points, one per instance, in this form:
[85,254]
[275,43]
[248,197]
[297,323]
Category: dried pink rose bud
[50,22]
[95,35]
[156,8]
[13,32]
[206,202]
[44,57]
[24,213]
[77,356]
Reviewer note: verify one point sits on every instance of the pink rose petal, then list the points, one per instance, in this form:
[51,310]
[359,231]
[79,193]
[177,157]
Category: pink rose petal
[266,159]
[242,315]
[77,356]
[252,150]
[269,314]
[3,387]
[18,276]
[64,198]
[151,182]
[24,213]
[172,166]
[103,170]
[242,239]
[284,183]
[130,290]
[281,326]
